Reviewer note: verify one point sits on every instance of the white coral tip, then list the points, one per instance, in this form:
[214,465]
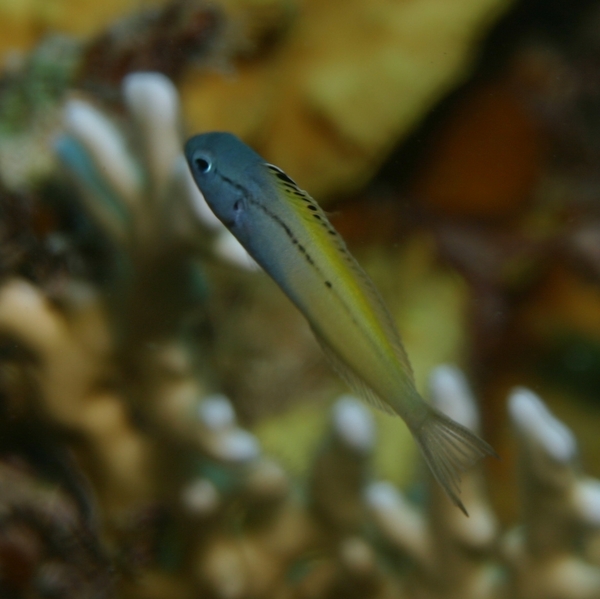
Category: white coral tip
[383,495]
[106,146]
[354,423]
[587,500]
[149,94]
[230,249]
[451,394]
[238,445]
[534,420]
[200,497]
[154,103]
[216,412]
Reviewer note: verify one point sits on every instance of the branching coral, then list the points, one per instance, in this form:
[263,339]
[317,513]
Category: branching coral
[247,534]
[70,351]
[116,367]
[101,355]
[153,214]
[560,505]
[453,555]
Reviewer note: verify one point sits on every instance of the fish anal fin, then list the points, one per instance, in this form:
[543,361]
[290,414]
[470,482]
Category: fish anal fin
[354,381]
[449,450]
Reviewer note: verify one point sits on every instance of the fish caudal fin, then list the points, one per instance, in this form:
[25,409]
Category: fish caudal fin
[449,449]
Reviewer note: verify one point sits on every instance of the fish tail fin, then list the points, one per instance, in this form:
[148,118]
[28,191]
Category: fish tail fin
[449,449]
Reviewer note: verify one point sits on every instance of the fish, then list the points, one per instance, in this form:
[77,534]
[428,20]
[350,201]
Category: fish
[288,234]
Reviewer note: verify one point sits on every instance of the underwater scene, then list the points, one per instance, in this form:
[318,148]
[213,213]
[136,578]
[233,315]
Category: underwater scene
[300,299]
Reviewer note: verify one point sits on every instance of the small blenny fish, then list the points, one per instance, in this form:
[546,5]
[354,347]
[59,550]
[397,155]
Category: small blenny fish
[290,236]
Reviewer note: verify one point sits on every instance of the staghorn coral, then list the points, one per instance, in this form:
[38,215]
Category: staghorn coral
[69,348]
[120,368]
[245,531]
[454,557]
[154,216]
[542,558]
[547,558]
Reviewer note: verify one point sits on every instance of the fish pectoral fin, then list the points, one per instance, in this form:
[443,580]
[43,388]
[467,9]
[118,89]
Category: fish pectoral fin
[354,381]
[449,449]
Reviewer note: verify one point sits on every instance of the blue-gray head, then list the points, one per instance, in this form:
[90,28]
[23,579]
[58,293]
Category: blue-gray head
[224,169]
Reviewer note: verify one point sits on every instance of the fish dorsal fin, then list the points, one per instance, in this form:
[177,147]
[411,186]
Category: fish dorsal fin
[355,382]
[331,243]
[290,188]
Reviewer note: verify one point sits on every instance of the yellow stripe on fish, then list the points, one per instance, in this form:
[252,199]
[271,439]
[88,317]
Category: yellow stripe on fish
[290,236]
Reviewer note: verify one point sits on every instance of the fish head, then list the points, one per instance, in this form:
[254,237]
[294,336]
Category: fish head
[222,166]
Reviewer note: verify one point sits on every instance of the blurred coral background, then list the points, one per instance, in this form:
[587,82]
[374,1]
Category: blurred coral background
[455,146]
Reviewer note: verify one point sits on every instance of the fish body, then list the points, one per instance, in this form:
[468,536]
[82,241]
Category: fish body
[289,235]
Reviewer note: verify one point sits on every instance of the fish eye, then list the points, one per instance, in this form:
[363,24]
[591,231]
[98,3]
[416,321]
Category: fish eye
[238,205]
[202,164]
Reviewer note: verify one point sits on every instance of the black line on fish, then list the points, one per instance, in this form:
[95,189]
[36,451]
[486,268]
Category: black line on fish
[289,233]
[292,237]
[304,252]
[234,184]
